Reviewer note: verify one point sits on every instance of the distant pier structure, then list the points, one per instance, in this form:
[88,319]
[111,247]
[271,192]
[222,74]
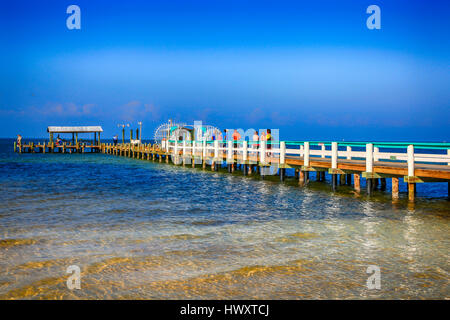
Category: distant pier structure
[62,144]
[346,163]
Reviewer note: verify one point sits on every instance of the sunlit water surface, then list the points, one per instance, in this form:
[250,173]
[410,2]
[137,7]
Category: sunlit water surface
[139,229]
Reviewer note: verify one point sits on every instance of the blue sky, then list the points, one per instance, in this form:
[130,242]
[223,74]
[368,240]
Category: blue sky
[311,69]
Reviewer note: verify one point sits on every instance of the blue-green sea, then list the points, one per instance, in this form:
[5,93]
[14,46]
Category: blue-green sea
[148,230]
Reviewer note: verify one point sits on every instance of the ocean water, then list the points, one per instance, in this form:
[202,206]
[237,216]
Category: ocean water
[144,230]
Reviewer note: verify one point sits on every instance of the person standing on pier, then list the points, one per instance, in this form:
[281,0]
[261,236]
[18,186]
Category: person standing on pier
[225,136]
[115,138]
[269,141]
[19,140]
[236,137]
[262,136]
[58,140]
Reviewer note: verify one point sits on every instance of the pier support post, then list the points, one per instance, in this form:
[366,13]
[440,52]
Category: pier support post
[282,174]
[334,181]
[369,167]
[334,159]
[244,157]
[301,178]
[394,188]
[369,183]
[411,173]
[357,178]
[217,160]
[194,152]
[342,179]
[184,153]
[306,154]
[411,191]
[204,154]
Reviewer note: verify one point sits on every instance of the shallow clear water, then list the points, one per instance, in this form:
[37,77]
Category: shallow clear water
[141,229]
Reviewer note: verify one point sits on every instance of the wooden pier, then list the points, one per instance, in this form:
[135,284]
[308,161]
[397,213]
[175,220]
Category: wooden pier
[49,147]
[346,162]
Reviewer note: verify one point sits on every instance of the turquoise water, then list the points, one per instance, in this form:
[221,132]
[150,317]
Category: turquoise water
[141,229]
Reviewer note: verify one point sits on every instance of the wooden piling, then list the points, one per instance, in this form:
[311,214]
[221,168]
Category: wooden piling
[369,184]
[357,182]
[282,174]
[301,178]
[334,182]
[394,188]
[411,191]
